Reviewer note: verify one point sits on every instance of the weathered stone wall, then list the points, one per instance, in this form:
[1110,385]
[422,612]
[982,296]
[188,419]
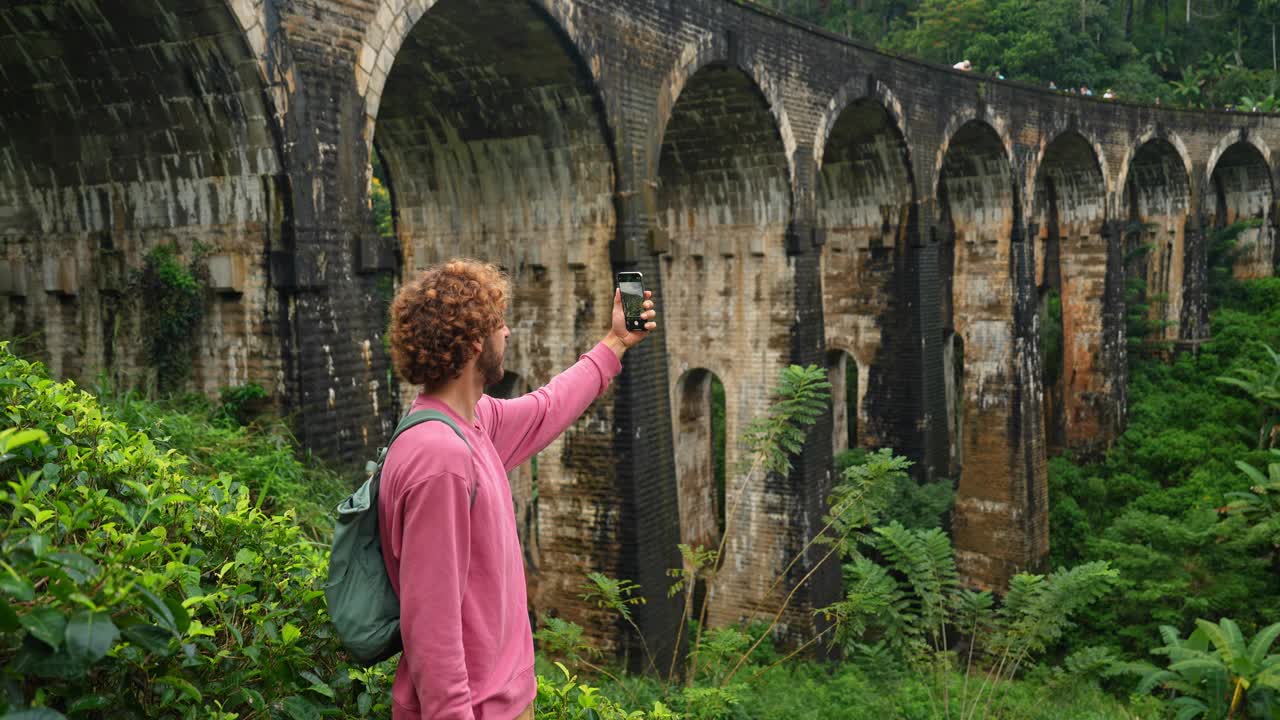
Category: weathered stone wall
[1070,210]
[998,518]
[695,466]
[1158,196]
[1241,190]
[723,205]
[126,128]
[864,199]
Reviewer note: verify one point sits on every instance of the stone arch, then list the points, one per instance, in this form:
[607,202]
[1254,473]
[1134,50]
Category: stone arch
[1069,212]
[856,91]
[1156,206]
[494,133]
[713,50]
[700,500]
[846,375]
[1121,185]
[966,119]
[124,127]
[395,20]
[723,199]
[865,200]
[1240,188]
[1001,498]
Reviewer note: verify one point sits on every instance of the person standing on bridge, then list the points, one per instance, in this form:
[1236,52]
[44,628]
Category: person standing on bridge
[445,511]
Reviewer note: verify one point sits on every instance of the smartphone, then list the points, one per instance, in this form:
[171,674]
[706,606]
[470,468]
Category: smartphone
[631,284]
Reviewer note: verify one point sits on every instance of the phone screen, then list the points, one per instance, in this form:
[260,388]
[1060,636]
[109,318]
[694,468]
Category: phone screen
[632,297]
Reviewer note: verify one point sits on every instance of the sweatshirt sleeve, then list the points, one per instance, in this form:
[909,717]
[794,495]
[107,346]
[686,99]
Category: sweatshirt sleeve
[436,520]
[523,426]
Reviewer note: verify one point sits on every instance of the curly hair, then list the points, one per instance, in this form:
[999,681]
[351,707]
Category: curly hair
[437,316]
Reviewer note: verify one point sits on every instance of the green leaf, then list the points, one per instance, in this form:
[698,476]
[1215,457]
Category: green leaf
[8,618]
[182,686]
[364,703]
[289,633]
[46,625]
[181,618]
[300,708]
[1261,644]
[92,702]
[247,696]
[18,588]
[151,638]
[159,609]
[78,567]
[34,714]
[90,635]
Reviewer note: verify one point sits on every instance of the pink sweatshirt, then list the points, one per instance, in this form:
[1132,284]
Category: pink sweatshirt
[457,566]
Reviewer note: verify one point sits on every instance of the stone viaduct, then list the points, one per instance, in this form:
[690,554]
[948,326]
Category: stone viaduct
[790,196]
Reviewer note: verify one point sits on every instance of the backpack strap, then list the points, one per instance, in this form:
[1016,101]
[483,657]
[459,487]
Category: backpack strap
[417,418]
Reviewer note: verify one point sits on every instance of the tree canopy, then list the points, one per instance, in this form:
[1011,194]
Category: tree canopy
[1193,53]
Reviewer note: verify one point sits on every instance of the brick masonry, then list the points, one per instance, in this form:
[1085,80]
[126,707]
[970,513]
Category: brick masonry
[787,194]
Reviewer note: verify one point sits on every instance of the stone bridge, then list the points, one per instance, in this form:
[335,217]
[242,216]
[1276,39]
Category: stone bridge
[790,196]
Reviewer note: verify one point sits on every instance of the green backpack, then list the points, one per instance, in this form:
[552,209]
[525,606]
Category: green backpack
[362,603]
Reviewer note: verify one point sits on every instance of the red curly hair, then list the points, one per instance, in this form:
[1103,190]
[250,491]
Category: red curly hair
[437,316]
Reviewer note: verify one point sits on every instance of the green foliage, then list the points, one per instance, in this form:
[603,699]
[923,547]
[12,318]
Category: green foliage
[1159,506]
[241,402]
[263,456]
[1263,386]
[1051,337]
[380,198]
[572,700]
[913,504]
[1260,504]
[904,605]
[1223,252]
[1215,674]
[610,594]
[801,396]
[1206,53]
[718,446]
[173,304]
[135,582]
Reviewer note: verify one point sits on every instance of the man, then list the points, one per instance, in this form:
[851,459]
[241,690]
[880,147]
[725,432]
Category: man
[445,512]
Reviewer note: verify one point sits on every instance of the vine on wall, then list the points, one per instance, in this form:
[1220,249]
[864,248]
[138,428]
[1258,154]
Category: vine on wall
[173,304]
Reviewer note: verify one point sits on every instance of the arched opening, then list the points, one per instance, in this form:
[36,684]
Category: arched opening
[494,137]
[126,127]
[864,199]
[842,373]
[1069,210]
[699,453]
[1156,198]
[1242,193]
[1001,494]
[723,198]
[953,386]
[493,132]
[524,493]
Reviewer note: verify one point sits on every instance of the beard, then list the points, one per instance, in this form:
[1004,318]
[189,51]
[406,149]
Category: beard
[490,363]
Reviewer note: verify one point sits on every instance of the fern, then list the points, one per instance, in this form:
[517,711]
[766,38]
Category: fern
[802,396]
[925,559]
[1038,610]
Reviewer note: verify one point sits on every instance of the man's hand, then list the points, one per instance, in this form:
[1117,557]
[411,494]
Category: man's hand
[620,338]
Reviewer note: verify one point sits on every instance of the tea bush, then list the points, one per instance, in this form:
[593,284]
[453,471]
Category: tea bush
[136,583]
